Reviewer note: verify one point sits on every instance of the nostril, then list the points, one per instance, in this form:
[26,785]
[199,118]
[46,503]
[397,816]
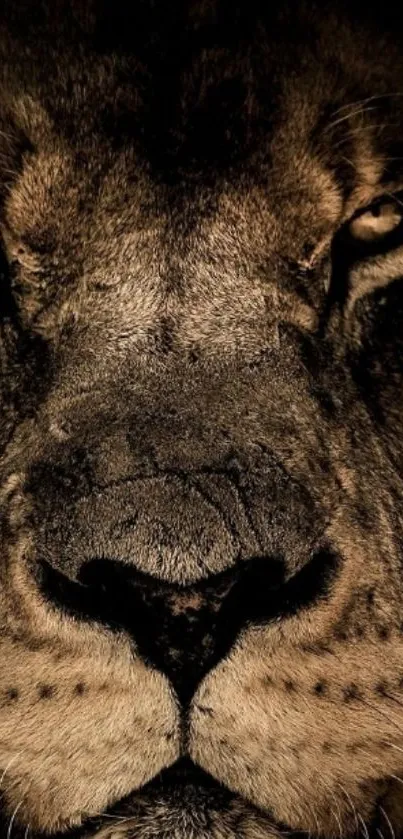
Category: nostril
[265,591]
[102,574]
[264,572]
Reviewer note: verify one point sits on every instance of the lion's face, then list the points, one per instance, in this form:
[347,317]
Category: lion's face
[202,446]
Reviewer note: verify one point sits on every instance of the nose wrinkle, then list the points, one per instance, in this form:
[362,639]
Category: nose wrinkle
[171,526]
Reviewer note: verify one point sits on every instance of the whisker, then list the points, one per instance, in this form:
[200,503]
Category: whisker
[315,818]
[364,826]
[366,101]
[338,821]
[359,103]
[11,822]
[13,759]
[346,117]
[352,805]
[336,815]
[112,816]
[392,159]
[393,746]
[124,820]
[388,821]
[382,714]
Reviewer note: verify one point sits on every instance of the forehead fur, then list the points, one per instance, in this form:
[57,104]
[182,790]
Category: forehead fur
[216,134]
[198,101]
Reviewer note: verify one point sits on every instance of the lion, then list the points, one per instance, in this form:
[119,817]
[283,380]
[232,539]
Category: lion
[201,472]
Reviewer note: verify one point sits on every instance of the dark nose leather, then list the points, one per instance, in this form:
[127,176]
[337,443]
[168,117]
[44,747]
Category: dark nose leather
[185,630]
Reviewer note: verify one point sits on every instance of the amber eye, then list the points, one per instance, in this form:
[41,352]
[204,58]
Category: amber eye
[376,222]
